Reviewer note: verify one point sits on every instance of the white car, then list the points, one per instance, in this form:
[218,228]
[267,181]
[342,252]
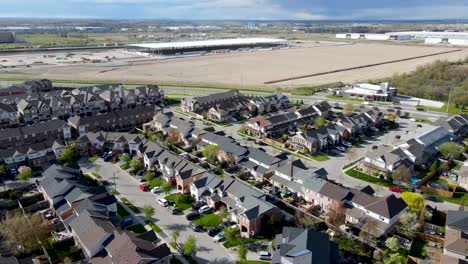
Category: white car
[264,255]
[156,189]
[163,202]
[219,237]
[347,144]
[204,209]
[340,149]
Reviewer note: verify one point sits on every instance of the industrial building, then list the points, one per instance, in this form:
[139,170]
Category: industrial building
[7,37]
[447,41]
[432,34]
[371,92]
[213,46]
[371,36]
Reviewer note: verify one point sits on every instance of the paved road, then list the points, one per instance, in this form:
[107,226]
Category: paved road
[208,251]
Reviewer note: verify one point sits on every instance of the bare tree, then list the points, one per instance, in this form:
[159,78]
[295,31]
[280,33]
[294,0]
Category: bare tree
[173,136]
[367,230]
[336,214]
[402,174]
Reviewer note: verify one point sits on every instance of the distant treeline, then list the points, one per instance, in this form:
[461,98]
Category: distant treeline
[434,81]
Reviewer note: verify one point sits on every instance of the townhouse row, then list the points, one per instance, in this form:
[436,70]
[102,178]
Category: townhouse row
[39,105]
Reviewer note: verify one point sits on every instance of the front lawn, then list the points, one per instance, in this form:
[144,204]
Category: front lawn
[156,182]
[371,179]
[139,229]
[93,158]
[121,211]
[130,205]
[237,241]
[352,99]
[208,220]
[320,157]
[155,228]
[181,201]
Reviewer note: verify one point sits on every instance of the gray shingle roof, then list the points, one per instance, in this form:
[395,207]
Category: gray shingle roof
[458,220]
[388,207]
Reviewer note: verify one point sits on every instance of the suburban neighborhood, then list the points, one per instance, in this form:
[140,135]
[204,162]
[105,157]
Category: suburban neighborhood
[112,174]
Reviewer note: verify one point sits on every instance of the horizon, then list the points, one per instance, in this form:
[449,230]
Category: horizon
[237,10]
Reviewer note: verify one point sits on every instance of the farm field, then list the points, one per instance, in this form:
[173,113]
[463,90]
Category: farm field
[253,69]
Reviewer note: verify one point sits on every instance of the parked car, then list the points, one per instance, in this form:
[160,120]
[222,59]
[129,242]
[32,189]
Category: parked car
[433,199]
[140,173]
[395,189]
[163,202]
[421,109]
[347,144]
[205,209]
[174,210]
[197,205]
[342,149]
[108,158]
[104,155]
[375,147]
[214,231]
[156,189]
[141,179]
[128,221]
[143,187]
[192,216]
[219,237]
[264,255]
[374,129]
[195,227]
[37,174]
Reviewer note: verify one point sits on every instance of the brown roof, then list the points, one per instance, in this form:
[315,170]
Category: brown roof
[460,246]
[334,191]
[362,198]
[260,121]
[388,206]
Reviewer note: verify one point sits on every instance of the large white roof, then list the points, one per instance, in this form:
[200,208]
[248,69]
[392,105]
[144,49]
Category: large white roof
[209,43]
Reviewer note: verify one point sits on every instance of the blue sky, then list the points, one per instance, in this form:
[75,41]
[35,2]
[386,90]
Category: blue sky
[237,9]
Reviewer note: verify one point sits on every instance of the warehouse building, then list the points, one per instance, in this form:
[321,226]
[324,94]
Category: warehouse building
[371,36]
[432,34]
[204,46]
[7,37]
[447,41]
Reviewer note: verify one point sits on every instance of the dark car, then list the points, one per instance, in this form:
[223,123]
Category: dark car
[126,222]
[108,158]
[104,155]
[174,210]
[37,174]
[214,231]
[421,109]
[195,227]
[433,199]
[140,173]
[192,216]
[197,205]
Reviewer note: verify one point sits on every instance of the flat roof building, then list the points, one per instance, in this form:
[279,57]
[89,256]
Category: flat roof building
[371,92]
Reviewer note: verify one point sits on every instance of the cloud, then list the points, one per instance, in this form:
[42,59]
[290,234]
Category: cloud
[417,12]
[308,16]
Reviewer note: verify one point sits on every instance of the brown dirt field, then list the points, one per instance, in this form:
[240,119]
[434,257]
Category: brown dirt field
[253,69]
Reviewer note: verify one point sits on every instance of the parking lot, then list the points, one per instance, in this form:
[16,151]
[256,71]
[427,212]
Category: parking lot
[208,251]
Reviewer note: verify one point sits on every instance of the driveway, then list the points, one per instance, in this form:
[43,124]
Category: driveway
[207,250]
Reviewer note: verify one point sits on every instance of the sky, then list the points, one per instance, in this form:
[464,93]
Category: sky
[238,9]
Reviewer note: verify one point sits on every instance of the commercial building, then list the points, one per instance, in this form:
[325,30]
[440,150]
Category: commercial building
[7,37]
[372,36]
[431,34]
[371,92]
[213,45]
[447,41]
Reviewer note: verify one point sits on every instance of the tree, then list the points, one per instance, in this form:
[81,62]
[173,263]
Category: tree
[67,260]
[231,233]
[24,173]
[69,155]
[394,258]
[223,212]
[210,152]
[409,225]
[435,165]
[175,235]
[149,176]
[242,252]
[2,175]
[190,246]
[402,174]
[391,117]
[148,212]
[336,214]
[451,150]
[22,233]
[392,244]
[319,122]
[125,159]
[348,108]
[414,201]
[173,136]
[136,165]
[166,188]
[284,138]
[368,229]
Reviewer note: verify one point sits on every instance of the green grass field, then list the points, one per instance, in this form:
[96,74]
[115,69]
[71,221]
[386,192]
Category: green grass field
[334,97]
[208,220]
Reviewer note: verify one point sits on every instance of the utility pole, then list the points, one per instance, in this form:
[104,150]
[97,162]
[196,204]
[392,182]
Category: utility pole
[449,99]
[115,184]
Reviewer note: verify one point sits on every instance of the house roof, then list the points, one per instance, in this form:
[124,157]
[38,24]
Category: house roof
[386,154]
[261,156]
[459,246]
[457,220]
[334,191]
[295,242]
[388,207]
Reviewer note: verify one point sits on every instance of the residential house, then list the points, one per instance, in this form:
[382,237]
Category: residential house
[167,162]
[96,142]
[34,111]
[258,163]
[185,173]
[456,238]
[248,207]
[457,125]
[119,120]
[300,246]
[317,140]
[8,116]
[36,133]
[296,177]
[322,108]
[463,177]
[230,150]
[32,155]
[150,152]
[385,160]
